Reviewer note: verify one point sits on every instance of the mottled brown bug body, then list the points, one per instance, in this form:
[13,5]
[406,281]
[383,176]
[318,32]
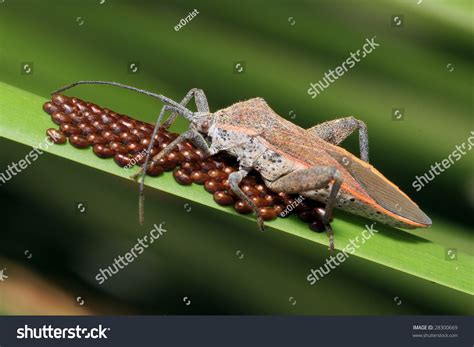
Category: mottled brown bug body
[261,139]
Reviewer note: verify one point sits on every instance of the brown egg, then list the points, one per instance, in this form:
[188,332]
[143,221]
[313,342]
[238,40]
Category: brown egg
[229,169]
[261,188]
[259,202]
[50,108]
[199,177]
[91,117]
[154,169]
[127,121]
[217,174]
[146,128]
[118,148]
[226,184]
[80,106]
[59,99]
[86,129]
[78,141]
[60,118]
[107,118]
[317,226]
[56,136]
[96,109]
[242,207]
[99,126]
[125,136]
[267,213]
[166,164]
[181,177]
[223,198]
[141,134]
[77,118]
[189,155]
[279,209]
[134,147]
[67,108]
[110,136]
[189,167]
[102,151]
[269,198]
[69,129]
[140,158]
[175,157]
[200,154]
[213,186]
[95,139]
[117,128]
[207,165]
[122,160]
[162,144]
[249,190]
[145,142]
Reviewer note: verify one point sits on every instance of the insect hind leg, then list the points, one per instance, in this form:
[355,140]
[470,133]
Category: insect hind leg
[315,177]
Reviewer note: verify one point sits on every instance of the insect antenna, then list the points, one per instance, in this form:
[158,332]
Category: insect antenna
[124,86]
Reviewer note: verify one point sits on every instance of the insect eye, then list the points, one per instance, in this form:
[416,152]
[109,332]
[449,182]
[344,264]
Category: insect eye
[205,125]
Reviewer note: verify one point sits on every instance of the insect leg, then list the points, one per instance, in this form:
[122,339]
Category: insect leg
[192,135]
[315,177]
[142,171]
[200,100]
[336,131]
[234,180]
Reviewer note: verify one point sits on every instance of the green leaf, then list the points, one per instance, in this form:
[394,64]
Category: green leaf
[22,120]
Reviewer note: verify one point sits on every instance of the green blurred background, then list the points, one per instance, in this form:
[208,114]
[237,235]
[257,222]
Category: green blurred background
[423,66]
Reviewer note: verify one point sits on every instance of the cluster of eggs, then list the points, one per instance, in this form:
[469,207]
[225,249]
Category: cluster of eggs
[110,134]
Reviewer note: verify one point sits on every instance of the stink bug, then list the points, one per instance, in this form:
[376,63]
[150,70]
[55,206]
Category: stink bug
[290,159]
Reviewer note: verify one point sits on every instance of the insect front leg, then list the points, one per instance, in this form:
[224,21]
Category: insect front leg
[200,100]
[141,198]
[192,135]
[313,178]
[336,131]
[152,141]
[234,180]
